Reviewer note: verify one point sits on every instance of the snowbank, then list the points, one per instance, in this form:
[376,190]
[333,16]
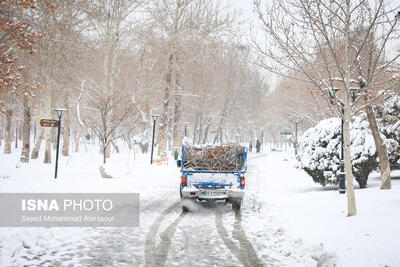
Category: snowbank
[317,215]
[78,173]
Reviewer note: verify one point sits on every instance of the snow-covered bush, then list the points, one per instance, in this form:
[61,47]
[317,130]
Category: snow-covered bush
[388,116]
[319,151]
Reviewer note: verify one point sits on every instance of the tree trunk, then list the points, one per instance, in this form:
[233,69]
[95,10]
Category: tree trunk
[195,127]
[77,138]
[108,151]
[162,129]
[177,130]
[26,134]
[66,124]
[111,69]
[351,201]
[162,132]
[16,134]
[105,148]
[66,136]
[47,153]
[206,133]
[200,128]
[34,132]
[217,135]
[381,149]
[104,154]
[38,143]
[2,129]
[7,139]
[53,137]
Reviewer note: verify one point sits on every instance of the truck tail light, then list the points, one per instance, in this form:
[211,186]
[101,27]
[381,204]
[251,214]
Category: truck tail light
[242,182]
[183,181]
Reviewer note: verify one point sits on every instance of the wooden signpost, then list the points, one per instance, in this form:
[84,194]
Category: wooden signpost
[48,123]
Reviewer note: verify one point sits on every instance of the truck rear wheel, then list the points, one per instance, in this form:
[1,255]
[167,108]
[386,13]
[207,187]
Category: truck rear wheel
[184,201]
[236,204]
[187,204]
[184,208]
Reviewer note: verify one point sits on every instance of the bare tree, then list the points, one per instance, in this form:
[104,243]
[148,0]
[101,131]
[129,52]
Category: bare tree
[300,31]
[112,21]
[184,23]
[107,128]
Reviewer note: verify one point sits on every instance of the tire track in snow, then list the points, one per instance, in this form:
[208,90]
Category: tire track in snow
[246,254]
[249,255]
[157,256]
[225,237]
[166,236]
[150,250]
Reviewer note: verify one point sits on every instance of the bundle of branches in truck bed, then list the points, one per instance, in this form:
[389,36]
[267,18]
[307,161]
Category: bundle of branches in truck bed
[214,158]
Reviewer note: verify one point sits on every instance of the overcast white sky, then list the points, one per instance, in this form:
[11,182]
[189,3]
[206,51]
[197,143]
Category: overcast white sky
[248,19]
[245,7]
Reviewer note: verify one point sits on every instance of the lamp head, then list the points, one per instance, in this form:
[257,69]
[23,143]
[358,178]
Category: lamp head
[353,93]
[60,111]
[154,117]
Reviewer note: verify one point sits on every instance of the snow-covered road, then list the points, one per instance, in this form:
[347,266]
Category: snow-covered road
[210,235]
[285,220]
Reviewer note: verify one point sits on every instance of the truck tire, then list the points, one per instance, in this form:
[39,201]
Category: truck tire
[187,204]
[236,204]
[184,208]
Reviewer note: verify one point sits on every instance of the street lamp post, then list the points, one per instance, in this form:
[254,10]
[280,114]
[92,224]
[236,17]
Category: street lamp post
[296,122]
[342,173]
[59,112]
[186,125]
[152,141]
[295,143]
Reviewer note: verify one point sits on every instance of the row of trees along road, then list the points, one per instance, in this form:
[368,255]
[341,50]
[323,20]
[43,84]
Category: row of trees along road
[114,63]
[330,45]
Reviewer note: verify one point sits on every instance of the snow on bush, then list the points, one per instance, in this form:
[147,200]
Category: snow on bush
[319,151]
[388,116]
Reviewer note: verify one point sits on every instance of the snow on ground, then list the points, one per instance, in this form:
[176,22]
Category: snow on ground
[318,215]
[286,219]
[78,173]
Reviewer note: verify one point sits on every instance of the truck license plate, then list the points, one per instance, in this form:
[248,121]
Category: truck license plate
[213,193]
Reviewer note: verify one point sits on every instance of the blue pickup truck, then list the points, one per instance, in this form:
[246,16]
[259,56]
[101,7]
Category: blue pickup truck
[212,183]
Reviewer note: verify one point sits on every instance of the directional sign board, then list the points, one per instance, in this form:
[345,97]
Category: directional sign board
[48,123]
